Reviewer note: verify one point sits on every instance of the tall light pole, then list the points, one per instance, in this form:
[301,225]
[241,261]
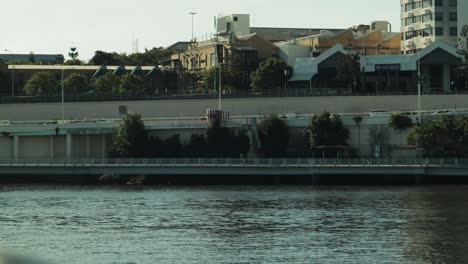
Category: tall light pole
[12,76]
[63,96]
[192,14]
[63,101]
[419,88]
[12,80]
[220,85]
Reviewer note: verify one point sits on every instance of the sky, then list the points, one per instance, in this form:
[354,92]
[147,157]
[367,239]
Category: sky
[53,26]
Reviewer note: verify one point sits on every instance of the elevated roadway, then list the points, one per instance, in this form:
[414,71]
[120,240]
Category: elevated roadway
[235,106]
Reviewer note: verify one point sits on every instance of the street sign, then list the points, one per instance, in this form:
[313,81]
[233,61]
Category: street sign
[387,67]
[220,53]
[421,79]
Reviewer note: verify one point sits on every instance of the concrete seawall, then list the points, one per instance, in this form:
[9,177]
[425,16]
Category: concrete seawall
[239,106]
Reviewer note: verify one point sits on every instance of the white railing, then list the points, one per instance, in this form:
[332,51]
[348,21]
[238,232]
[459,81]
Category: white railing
[201,119]
[217,162]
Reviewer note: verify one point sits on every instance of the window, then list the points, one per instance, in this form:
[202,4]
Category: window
[439,2]
[439,16]
[426,18]
[439,31]
[427,3]
[453,16]
[236,19]
[427,32]
[213,60]
[452,3]
[453,31]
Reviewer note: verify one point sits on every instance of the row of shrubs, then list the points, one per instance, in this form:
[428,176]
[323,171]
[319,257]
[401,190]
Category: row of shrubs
[46,83]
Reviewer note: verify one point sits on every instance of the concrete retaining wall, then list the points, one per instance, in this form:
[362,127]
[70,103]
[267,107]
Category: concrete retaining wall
[241,106]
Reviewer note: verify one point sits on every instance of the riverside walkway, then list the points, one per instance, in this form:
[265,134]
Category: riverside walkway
[284,167]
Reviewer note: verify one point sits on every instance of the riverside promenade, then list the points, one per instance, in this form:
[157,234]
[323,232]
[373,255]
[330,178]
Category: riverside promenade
[239,167]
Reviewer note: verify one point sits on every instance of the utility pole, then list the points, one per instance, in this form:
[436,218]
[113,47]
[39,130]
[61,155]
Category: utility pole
[12,76]
[192,14]
[419,88]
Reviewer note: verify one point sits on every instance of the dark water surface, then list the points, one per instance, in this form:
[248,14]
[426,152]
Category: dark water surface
[236,224]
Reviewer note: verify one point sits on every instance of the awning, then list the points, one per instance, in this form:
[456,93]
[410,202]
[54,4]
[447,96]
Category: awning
[297,77]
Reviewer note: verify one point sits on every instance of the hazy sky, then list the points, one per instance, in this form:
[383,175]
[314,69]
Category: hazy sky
[52,26]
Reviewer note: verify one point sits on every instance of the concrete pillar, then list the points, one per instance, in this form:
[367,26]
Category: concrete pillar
[87,147]
[16,142]
[69,146]
[51,147]
[446,77]
[103,140]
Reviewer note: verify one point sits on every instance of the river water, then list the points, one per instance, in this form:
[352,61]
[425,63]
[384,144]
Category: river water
[243,224]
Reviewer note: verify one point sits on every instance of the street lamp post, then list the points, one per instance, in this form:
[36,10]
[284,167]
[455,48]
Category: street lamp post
[12,76]
[12,80]
[63,96]
[192,14]
[419,88]
[63,101]
[285,81]
[220,89]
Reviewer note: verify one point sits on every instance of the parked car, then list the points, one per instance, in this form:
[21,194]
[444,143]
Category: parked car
[435,91]
[379,113]
[443,112]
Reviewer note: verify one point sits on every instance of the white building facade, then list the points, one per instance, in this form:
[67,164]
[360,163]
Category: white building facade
[425,21]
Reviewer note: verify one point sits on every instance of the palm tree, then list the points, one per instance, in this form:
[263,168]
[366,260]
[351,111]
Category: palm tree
[358,121]
[400,122]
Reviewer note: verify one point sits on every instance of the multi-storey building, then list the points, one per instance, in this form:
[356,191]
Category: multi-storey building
[425,21]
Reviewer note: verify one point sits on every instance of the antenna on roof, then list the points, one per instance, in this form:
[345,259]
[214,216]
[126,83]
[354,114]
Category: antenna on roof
[135,45]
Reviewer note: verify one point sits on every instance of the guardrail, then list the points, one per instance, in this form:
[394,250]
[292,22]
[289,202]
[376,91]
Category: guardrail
[186,95]
[216,162]
[232,119]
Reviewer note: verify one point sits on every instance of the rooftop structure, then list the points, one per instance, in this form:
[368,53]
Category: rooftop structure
[385,73]
[373,39]
[426,21]
[36,58]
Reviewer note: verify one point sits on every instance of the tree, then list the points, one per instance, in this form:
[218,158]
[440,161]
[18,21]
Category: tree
[131,84]
[107,83]
[172,148]
[5,79]
[347,70]
[358,120]
[73,53]
[445,137]
[41,83]
[131,138]
[229,79]
[32,58]
[106,58]
[274,136]
[242,143]
[463,51]
[400,122]
[197,146]
[218,139]
[192,79]
[378,136]
[326,130]
[270,75]
[76,83]
[150,57]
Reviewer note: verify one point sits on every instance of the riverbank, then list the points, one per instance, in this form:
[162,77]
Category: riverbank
[234,180]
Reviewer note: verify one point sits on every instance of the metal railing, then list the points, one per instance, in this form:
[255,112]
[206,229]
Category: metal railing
[187,95]
[217,162]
